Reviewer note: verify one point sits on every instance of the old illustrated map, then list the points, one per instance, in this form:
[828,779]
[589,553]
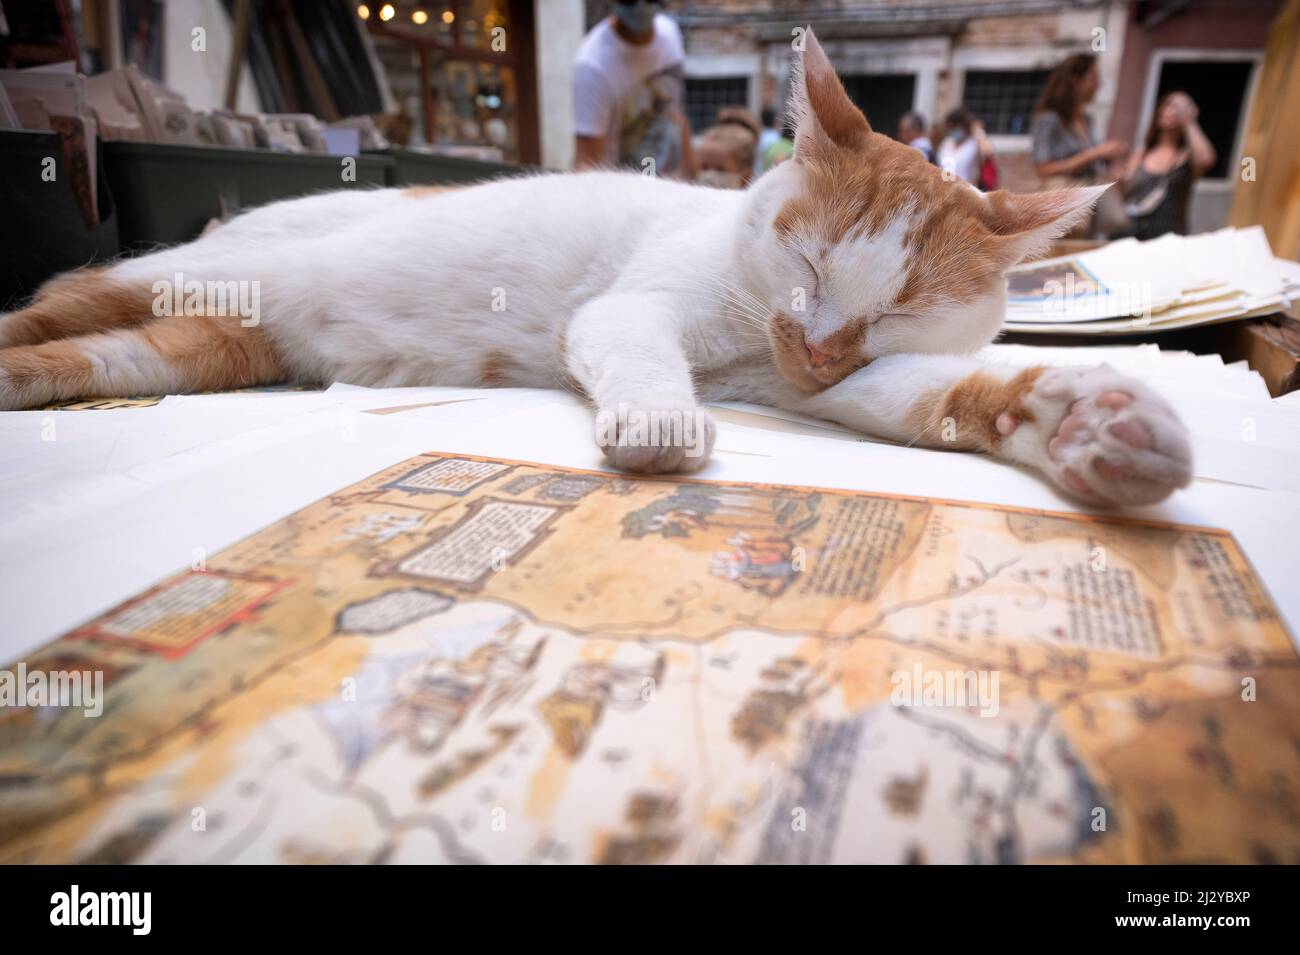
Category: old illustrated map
[475,660]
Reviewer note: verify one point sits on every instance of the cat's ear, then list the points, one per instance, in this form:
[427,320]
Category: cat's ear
[1025,223]
[822,112]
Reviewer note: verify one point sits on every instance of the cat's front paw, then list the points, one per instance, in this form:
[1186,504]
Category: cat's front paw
[656,434]
[1102,436]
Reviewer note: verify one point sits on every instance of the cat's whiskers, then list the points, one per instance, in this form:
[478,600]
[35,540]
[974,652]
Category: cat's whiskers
[741,306]
[732,293]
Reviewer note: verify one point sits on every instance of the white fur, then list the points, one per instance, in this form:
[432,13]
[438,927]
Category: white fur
[648,293]
[860,276]
[123,364]
[627,283]
[384,289]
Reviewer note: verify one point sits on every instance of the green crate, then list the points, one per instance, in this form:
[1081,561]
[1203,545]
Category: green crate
[409,167]
[167,193]
[42,232]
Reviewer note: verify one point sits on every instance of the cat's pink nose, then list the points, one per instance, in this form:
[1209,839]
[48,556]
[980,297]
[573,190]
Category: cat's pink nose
[816,357]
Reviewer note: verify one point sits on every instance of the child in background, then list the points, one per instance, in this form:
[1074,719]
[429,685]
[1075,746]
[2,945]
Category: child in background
[727,150]
[767,137]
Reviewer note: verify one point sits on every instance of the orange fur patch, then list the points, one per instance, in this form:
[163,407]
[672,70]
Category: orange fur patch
[61,365]
[840,120]
[857,181]
[959,240]
[426,192]
[964,418]
[200,353]
[211,354]
[792,355]
[79,303]
[850,193]
[494,372]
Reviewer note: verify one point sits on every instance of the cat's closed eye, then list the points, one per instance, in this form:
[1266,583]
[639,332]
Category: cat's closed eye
[879,317]
[817,279]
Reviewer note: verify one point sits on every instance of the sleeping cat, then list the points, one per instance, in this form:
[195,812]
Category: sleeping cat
[850,283]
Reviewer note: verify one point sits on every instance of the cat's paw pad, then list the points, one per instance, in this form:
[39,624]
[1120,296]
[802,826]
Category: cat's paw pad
[1104,437]
[655,436]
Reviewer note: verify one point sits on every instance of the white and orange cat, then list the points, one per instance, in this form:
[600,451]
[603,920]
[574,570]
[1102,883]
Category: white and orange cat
[851,283]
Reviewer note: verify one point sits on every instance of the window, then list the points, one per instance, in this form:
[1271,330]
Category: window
[704,97]
[882,97]
[1219,89]
[1003,99]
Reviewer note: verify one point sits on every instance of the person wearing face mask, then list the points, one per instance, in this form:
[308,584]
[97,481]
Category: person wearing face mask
[628,91]
[965,147]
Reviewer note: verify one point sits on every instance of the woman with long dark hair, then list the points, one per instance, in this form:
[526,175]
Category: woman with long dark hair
[1066,151]
[1064,144]
[1158,183]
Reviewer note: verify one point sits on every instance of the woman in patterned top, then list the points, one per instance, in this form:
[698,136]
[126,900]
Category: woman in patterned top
[1066,151]
[1158,182]
[1064,144]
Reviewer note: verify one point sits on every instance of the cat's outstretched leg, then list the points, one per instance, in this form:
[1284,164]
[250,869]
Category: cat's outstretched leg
[77,303]
[166,356]
[1103,437]
[625,350]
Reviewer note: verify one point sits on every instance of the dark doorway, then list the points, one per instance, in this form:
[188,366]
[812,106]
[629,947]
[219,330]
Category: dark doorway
[884,97]
[1219,89]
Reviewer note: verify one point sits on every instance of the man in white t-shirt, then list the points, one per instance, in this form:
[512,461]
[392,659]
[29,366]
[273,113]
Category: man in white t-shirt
[627,93]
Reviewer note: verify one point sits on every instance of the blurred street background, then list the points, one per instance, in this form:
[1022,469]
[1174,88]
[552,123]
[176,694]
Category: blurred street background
[1182,102]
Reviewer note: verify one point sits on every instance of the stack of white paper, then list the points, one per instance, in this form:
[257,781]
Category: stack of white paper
[99,505]
[1174,281]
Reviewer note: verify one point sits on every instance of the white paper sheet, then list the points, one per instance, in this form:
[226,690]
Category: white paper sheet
[123,498]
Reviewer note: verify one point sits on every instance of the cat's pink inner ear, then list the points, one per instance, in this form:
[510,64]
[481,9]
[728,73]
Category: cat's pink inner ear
[1026,223]
[833,116]
[1011,213]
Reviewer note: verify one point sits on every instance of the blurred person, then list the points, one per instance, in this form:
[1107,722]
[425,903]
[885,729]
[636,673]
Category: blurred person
[726,151]
[780,149]
[911,130]
[965,147]
[1158,181]
[1064,142]
[399,128]
[1065,148]
[627,93]
[989,175]
[768,135]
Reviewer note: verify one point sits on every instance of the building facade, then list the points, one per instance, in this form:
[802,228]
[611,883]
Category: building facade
[992,56]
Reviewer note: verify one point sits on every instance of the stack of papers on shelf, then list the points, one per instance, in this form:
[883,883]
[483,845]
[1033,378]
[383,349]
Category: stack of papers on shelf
[52,98]
[1130,287]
